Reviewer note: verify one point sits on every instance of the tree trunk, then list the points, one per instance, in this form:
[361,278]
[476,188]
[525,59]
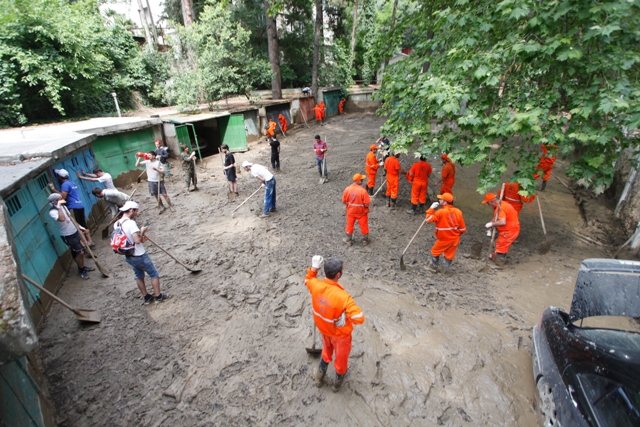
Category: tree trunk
[353,33]
[187,12]
[272,42]
[316,49]
[393,24]
[145,25]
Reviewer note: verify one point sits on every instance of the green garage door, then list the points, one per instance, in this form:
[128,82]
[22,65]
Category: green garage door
[117,153]
[233,133]
[331,100]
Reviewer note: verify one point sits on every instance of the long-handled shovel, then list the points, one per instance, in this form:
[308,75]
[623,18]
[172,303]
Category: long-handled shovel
[103,270]
[193,270]
[140,176]
[546,245]
[493,234]
[375,194]
[246,200]
[402,266]
[82,314]
[313,350]
[105,231]
[322,178]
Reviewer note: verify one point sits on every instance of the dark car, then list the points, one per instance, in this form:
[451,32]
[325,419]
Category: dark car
[590,376]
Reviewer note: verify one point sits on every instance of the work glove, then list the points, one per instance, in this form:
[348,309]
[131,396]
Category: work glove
[342,320]
[262,186]
[488,225]
[434,205]
[381,163]
[317,261]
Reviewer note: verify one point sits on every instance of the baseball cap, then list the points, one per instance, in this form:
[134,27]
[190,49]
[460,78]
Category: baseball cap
[373,147]
[489,197]
[53,197]
[246,164]
[62,173]
[358,177]
[447,197]
[444,156]
[129,205]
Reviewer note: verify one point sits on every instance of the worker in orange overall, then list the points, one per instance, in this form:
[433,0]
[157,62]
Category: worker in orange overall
[357,201]
[546,163]
[283,123]
[323,109]
[447,176]
[341,105]
[508,226]
[319,113]
[449,227]
[334,314]
[394,169]
[271,129]
[418,176]
[371,168]
[511,196]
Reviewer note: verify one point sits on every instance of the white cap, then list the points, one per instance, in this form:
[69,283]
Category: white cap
[62,173]
[246,164]
[129,205]
[54,196]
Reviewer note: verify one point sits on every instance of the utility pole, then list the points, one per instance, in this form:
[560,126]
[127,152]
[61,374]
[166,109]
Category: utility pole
[145,24]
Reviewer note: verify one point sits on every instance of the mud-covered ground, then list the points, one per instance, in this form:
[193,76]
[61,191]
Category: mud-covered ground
[229,347]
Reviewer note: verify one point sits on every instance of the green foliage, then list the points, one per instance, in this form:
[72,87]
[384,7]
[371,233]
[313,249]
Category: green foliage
[63,58]
[213,60]
[554,72]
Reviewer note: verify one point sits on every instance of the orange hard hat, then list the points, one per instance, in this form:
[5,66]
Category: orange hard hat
[489,197]
[447,197]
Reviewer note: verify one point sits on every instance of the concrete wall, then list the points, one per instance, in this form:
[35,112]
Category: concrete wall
[251,125]
[362,102]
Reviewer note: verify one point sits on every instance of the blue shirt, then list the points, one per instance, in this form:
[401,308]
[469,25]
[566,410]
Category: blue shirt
[73,195]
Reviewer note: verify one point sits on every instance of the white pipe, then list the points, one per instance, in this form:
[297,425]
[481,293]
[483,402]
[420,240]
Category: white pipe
[625,192]
[115,99]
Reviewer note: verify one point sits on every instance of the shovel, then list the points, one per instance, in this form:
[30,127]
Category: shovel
[313,350]
[193,270]
[546,245]
[375,194]
[105,231]
[493,235]
[402,266]
[82,315]
[246,200]
[140,176]
[104,271]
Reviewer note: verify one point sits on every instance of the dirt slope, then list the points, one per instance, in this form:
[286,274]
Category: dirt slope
[229,347]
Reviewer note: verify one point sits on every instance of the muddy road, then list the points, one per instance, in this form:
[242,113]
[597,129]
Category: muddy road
[229,347]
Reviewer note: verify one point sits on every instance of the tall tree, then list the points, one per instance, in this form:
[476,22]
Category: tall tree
[274,53]
[353,32]
[391,28]
[317,33]
[187,12]
[530,73]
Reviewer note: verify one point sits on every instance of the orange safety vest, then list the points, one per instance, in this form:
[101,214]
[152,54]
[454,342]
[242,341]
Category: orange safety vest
[329,300]
[393,167]
[420,172]
[512,197]
[449,222]
[448,174]
[371,165]
[509,212]
[357,199]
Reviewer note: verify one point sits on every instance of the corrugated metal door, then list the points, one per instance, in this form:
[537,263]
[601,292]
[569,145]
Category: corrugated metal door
[274,110]
[233,133]
[117,153]
[331,100]
[35,233]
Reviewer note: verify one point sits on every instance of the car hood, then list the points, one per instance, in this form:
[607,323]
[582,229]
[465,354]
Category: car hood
[606,287]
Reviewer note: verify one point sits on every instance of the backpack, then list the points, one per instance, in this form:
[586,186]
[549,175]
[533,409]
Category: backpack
[119,242]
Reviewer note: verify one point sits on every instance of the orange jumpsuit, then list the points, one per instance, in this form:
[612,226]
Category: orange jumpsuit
[271,131]
[323,107]
[329,300]
[357,200]
[448,177]
[509,232]
[318,110]
[283,123]
[341,105]
[449,227]
[546,163]
[419,175]
[512,197]
[371,168]
[393,167]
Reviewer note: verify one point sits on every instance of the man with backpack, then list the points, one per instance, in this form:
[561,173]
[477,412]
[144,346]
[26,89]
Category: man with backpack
[134,252]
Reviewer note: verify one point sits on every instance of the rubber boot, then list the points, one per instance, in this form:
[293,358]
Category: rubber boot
[320,373]
[365,240]
[393,204]
[544,185]
[388,201]
[348,240]
[501,259]
[370,191]
[412,211]
[433,265]
[445,267]
[339,380]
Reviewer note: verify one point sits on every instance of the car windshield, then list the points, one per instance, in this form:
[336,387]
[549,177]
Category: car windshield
[611,339]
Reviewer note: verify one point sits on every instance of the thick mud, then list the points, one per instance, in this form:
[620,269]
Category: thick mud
[229,347]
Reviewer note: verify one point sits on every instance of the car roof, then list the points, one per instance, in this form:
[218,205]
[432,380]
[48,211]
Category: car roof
[606,287]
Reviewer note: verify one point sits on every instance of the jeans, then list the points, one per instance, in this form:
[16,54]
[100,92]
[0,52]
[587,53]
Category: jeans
[319,164]
[270,195]
[141,264]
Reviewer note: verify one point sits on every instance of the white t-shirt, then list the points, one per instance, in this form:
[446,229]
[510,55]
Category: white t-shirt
[114,196]
[107,181]
[130,227]
[152,176]
[261,171]
[67,228]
